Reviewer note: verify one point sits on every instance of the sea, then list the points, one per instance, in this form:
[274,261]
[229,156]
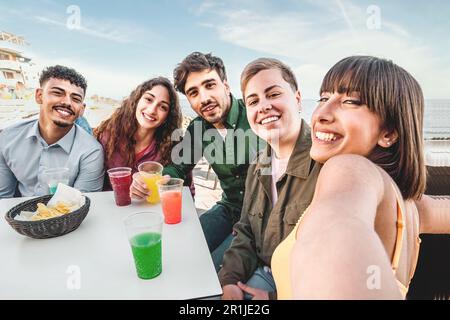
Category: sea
[436,117]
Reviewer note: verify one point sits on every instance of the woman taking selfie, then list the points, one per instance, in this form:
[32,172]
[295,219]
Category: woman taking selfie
[359,238]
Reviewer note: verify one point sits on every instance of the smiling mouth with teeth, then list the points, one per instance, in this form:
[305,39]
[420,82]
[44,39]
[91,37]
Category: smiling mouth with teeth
[208,108]
[269,120]
[326,137]
[150,118]
[64,112]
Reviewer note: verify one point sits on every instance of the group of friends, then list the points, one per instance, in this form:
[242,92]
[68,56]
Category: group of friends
[307,211]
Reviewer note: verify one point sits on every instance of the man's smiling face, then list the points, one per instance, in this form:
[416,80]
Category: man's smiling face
[208,95]
[61,102]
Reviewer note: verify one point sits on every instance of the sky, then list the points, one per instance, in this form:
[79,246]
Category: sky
[118,44]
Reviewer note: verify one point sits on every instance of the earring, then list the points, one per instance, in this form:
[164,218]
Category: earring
[388,143]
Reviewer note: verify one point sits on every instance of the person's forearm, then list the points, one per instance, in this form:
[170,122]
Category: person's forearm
[345,261]
[240,260]
[434,213]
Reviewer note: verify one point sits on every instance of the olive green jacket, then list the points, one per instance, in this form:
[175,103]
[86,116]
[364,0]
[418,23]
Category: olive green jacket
[261,227]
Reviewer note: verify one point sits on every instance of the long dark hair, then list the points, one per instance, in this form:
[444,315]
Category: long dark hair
[120,128]
[396,97]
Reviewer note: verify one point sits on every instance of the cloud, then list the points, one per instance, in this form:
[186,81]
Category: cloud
[104,29]
[345,15]
[267,33]
[207,5]
[102,80]
[114,30]
[326,33]
[46,20]
[396,29]
[114,81]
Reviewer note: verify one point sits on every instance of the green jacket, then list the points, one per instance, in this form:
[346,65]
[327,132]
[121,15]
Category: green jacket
[261,227]
[229,159]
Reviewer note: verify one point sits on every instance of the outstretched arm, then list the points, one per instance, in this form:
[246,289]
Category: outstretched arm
[338,254]
[434,214]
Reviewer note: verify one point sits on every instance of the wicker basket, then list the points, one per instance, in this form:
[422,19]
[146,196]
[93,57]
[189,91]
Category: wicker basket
[49,228]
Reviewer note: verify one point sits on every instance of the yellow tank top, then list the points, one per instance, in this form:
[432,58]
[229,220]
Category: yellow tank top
[281,257]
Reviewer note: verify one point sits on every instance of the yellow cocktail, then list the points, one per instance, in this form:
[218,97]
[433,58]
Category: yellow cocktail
[150,180]
[151,172]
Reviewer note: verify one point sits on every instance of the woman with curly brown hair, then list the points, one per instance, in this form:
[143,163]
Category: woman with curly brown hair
[141,128]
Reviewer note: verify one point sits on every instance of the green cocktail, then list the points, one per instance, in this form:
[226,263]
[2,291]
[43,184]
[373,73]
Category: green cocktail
[52,189]
[144,230]
[146,249]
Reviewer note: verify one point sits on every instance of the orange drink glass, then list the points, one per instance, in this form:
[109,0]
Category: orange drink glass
[151,172]
[170,191]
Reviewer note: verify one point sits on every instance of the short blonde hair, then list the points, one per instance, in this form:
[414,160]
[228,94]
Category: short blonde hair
[266,64]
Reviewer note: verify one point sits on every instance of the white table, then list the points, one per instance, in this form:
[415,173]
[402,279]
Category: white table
[95,261]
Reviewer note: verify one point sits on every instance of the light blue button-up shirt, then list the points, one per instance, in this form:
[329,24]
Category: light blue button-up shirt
[24,155]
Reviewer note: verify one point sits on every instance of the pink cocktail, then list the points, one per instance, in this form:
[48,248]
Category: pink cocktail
[171,199]
[171,206]
[121,181]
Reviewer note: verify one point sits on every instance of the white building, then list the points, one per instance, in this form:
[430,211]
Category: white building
[15,66]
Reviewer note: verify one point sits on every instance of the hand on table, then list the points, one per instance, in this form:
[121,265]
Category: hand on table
[258,294]
[232,292]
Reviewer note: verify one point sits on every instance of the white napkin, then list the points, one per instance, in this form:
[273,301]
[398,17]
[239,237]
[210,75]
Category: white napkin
[24,216]
[69,195]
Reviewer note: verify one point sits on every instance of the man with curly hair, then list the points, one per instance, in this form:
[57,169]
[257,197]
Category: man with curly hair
[28,148]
